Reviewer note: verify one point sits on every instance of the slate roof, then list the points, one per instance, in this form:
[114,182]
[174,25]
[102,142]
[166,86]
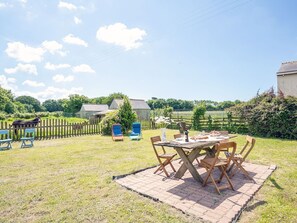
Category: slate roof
[94,107]
[135,103]
[287,68]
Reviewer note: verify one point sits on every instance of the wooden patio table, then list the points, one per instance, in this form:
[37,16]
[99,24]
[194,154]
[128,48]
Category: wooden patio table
[195,148]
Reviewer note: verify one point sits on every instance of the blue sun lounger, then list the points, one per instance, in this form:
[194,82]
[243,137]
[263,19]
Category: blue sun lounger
[116,131]
[136,131]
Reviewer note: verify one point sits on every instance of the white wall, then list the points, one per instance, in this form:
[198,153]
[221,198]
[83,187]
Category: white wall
[288,84]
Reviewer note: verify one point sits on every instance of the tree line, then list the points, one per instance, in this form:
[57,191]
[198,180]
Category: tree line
[9,104]
[186,105]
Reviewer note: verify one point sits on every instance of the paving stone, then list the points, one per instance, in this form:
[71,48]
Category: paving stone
[191,197]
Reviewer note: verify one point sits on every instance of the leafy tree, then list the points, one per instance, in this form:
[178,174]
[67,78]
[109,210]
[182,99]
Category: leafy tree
[52,105]
[5,97]
[74,103]
[198,114]
[10,107]
[167,112]
[28,100]
[126,115]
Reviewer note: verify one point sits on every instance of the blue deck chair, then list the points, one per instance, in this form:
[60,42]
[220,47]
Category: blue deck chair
[116,131]
[136,131]
[4,139]
[28,138]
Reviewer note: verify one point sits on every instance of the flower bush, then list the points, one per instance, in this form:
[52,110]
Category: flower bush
[162,122]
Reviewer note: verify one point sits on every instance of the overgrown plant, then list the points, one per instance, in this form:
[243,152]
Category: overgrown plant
[270,115]
[107,122]
[198,114]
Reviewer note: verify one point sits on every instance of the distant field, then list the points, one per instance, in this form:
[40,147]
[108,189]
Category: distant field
[68,119]
[188,114]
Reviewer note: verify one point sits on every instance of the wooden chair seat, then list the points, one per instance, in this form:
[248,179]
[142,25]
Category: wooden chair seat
[167,155]
[209,162]
[237,156]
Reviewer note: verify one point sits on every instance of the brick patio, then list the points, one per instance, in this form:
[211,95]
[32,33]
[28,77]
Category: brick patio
[190,197]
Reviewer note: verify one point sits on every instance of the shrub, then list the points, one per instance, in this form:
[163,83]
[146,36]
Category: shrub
[198,114]
[2,116]
[106,123]
[270,115]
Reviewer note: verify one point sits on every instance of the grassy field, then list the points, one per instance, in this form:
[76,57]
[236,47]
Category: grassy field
[188,114]
[70,180]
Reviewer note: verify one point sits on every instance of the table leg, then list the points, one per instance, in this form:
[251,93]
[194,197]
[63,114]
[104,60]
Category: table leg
[188,164]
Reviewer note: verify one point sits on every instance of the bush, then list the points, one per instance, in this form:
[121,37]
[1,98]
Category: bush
[270,115]
[2,116]
[106,123]
[198,114]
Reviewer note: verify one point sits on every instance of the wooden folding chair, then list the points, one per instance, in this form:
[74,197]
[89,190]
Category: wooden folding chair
[210,163]
[167,157]
[239,158]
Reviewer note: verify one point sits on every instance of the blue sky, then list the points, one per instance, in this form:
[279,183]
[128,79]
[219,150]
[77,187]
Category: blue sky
[194,50]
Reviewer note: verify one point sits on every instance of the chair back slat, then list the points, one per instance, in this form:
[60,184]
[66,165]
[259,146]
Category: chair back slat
[177,136]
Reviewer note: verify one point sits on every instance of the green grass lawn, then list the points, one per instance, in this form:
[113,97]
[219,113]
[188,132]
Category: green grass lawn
[70,180]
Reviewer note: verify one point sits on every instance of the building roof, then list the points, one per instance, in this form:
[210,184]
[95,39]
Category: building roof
[135,103]
[94,107]
[288,68]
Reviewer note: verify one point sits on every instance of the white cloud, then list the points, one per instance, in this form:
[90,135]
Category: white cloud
[8,83]
[83,68]
[26,68]
[67,5]
[33,83]
[24,53]
[71,39]
[53,47]
[5,5]
[77,20]
[23,2]
[120,35]
[62,78]
[50,66]
[51,93]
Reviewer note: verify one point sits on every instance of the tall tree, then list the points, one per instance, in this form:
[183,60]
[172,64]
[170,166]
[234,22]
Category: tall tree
[126,115]
[75,102]
[52,105]
[28,100]
[5,97]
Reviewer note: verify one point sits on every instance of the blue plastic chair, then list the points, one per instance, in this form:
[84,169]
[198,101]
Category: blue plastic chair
[5,140]
[136,131]
[28,138]
[116,131]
